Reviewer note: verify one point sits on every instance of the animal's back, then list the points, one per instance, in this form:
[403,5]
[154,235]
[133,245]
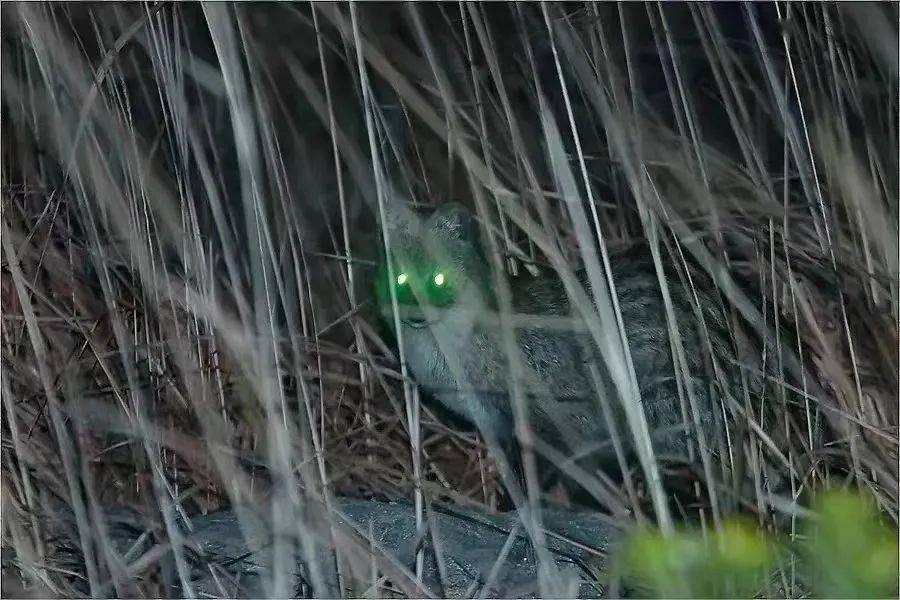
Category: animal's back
[563,359]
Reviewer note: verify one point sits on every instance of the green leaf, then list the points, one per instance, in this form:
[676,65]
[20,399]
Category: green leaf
[853,552]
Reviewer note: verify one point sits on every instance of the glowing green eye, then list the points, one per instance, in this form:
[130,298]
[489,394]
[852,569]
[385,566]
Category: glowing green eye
[402,278]
[439,279]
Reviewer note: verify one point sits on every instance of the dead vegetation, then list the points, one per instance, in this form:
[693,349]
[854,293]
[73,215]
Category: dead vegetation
[191,208]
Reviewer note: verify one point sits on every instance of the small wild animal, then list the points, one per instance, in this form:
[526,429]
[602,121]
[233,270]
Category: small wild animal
[455,348]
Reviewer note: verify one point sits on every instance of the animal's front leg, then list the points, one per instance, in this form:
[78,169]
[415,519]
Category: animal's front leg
[498,432]
[489,413]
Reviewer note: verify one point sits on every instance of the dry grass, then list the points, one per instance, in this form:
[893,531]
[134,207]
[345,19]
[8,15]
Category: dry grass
[191,209]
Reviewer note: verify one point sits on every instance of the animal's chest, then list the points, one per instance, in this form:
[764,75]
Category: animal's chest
[472,374]
[446,359]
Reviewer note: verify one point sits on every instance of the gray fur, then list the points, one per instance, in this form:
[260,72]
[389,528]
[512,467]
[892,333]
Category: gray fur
[459,356]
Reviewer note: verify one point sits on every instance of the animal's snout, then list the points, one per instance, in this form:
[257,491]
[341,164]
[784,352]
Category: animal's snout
[415,323]
[411,315]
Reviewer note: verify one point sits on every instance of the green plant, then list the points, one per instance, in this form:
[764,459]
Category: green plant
[732,561]
[852,552]
[847,551]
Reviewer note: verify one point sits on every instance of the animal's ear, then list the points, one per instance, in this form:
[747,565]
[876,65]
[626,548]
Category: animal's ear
[403,225]
[454,221]
[399,219]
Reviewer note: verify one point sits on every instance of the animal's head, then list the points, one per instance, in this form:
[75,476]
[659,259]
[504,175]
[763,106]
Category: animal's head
[439,270]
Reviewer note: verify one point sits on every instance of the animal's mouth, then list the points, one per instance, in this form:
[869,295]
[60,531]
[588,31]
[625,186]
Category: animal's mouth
[413,316]
[415,323]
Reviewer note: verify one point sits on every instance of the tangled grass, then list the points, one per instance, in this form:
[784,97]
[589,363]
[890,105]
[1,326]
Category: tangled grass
[192,200]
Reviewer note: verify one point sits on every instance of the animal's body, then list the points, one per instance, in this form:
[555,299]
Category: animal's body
[456,350]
